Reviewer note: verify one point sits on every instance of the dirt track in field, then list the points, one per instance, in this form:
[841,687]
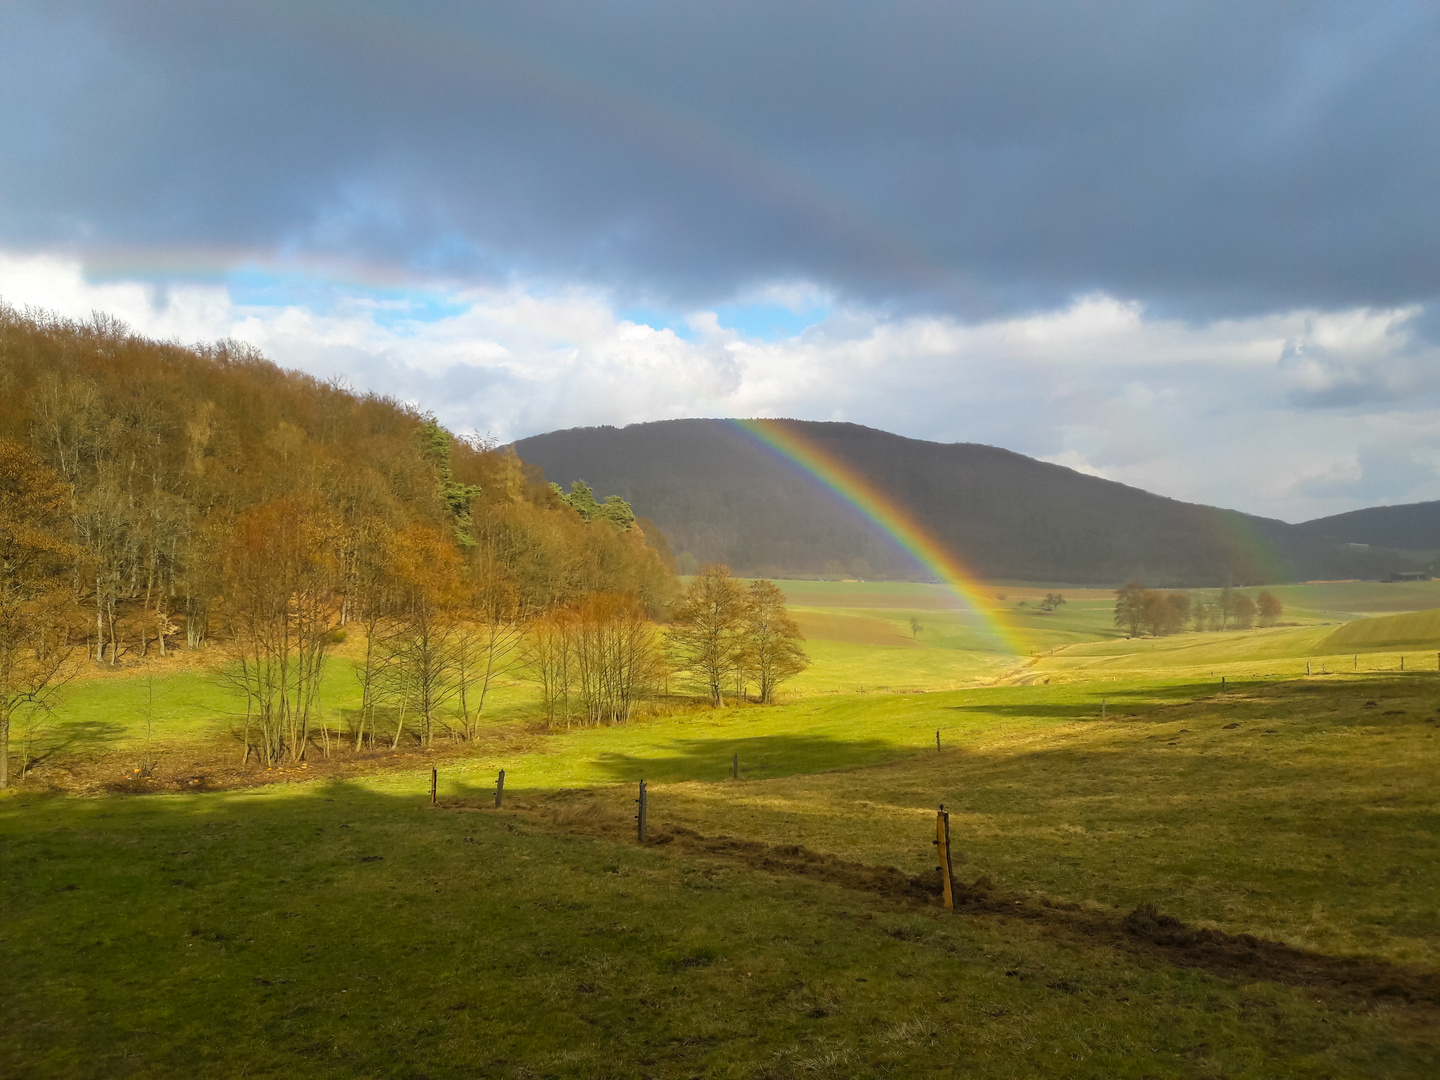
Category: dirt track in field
[1144,932]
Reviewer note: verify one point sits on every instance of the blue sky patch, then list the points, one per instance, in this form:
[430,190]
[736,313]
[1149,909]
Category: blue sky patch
[389,307]
[769,322]
[760,322]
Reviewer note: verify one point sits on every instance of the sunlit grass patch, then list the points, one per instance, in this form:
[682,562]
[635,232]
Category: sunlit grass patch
[1414,629]
[851,629]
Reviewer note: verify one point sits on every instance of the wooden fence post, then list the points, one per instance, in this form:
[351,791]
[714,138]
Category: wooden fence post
[937,740]
[434,783]
[942,848]
[735,767]
[1102,708]
[640,816]
[500,789]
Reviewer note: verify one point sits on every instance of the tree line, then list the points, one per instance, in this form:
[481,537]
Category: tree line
[1139,610]
[155,497]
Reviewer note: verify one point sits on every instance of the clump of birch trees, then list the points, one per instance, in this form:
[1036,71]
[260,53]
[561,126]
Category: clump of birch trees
[595,659]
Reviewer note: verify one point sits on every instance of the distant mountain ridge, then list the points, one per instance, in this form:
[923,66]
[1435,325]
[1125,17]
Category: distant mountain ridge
[1409,527]
[720,496]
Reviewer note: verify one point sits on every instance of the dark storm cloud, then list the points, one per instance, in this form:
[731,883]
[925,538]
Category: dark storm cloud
[1205,157]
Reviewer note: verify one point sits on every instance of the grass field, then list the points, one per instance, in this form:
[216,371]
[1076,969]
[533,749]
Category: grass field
[329,922]
[1414,628]
[860,636]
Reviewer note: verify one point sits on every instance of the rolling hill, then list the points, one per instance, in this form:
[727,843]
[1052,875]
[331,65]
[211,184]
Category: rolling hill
[1407,629]
[1411,527]
[720,495]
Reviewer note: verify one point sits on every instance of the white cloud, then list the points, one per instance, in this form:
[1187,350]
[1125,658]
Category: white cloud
[1289,414]
[1073,459]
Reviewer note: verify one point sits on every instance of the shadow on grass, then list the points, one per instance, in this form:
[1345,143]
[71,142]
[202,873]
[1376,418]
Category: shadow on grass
[53,739]
[761,756]
[1116,703]
[1115,708]
[1153,703]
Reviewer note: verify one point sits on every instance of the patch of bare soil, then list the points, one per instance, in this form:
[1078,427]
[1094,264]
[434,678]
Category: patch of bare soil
[1144,931]
[792,859]
[1258,958]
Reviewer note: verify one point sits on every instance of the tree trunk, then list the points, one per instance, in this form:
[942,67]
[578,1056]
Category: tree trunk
[145,611]
[399,726]
[249,708]
[114,637]
[99,620]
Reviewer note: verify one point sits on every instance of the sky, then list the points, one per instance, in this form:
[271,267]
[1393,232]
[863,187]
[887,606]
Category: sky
[1193,247]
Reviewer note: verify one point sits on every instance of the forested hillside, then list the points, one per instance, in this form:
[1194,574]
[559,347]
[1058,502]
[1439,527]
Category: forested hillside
[155,497]
[165,451]
[721,496]
[1411,527]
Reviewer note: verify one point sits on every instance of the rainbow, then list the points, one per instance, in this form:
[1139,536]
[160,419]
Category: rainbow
[893,519]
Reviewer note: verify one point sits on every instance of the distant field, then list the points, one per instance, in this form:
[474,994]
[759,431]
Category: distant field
[1343,600]
[1079,639]
[1414,628]
[860,635]
[852,629]
[904,595]
[1337,601]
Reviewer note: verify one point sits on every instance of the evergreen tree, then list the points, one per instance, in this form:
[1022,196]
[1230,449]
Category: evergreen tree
[582,500]
[438,447]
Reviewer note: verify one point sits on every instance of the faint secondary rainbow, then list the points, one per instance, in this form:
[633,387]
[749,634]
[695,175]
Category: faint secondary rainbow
[892,518]
[399,35]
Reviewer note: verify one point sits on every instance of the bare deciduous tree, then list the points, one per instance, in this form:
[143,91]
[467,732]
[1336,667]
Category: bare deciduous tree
[709,631]
[35,563]
[421,655]
[602,655]
[546,656]
[280,610]
[772,640]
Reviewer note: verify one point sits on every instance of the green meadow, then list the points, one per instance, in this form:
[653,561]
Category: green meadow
[1176,857]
